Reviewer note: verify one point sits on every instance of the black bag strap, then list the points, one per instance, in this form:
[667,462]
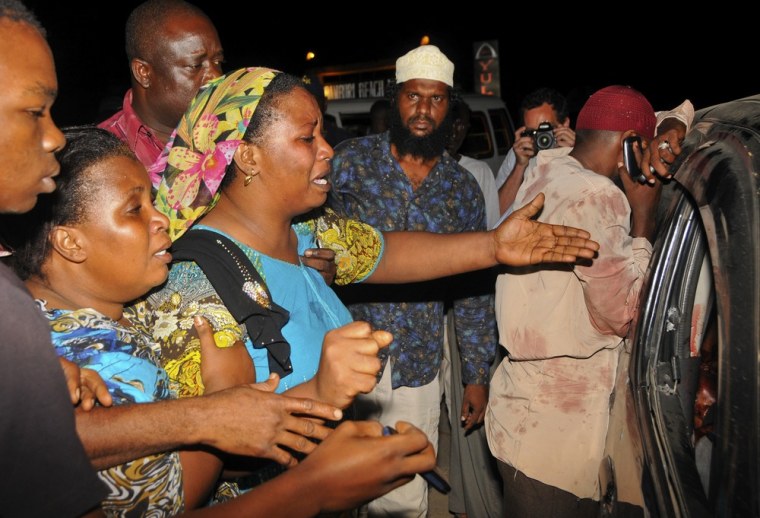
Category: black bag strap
[242,290]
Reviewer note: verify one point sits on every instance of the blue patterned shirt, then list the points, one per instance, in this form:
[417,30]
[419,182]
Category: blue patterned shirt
[369,185]
[127,361]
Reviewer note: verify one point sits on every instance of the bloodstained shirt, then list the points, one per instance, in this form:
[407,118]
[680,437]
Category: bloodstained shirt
[563,329]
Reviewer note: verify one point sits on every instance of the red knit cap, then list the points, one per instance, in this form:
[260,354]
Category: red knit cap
[618,108]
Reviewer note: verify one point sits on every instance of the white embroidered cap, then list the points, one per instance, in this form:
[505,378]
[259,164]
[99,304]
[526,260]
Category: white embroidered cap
[425,62]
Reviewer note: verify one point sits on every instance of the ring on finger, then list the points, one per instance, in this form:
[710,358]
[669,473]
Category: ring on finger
[663,145]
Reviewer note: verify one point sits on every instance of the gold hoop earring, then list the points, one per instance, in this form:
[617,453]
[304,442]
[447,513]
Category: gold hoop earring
[249,177]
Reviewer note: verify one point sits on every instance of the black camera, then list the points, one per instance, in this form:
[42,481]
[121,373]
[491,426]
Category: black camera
[543,137]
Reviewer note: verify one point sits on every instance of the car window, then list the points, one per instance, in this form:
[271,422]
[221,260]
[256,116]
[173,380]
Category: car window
[478,143]
[357,124]
[502,130]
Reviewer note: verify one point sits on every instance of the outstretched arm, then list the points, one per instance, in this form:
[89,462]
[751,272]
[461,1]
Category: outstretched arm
[518,241]
[242,420]
[522,241]
[356,463]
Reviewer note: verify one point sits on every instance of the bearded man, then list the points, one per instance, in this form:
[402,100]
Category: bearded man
[404,179]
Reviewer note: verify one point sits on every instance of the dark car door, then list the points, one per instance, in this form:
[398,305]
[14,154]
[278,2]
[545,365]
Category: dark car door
[697,337]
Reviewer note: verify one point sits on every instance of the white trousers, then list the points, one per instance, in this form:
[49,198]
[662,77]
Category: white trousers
[420,406]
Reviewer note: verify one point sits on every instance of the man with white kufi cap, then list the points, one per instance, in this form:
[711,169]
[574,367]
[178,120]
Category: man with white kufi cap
[404,180]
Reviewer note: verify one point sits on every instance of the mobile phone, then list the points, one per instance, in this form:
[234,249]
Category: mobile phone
[629,158]
[433,477]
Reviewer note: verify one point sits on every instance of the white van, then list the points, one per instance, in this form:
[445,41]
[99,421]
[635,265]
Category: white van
[491,128]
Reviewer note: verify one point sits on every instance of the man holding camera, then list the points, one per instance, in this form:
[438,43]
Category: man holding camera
[546,125]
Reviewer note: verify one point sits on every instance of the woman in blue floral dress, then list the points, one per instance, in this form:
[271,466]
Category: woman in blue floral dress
[94,245]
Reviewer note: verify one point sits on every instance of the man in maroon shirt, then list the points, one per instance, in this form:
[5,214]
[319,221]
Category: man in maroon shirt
[173,49]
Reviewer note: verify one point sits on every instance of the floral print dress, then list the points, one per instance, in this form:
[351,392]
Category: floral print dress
[125,359]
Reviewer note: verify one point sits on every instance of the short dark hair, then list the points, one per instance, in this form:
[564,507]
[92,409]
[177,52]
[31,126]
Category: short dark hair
[85,147]
[548,96]
[18,12]
[146,21]
[266,114]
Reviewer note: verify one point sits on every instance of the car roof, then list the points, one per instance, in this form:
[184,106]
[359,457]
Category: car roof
[741,112]
[474,101]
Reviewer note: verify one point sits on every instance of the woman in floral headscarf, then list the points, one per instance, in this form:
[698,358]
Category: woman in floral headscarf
[249,159]
[250,147]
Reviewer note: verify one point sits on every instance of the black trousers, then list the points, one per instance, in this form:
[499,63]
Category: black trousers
[529,498]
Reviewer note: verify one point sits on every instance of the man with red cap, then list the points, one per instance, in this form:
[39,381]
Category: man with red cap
[563,328]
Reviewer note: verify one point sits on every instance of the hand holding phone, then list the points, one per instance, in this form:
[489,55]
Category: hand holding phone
[433,477]
[629,158]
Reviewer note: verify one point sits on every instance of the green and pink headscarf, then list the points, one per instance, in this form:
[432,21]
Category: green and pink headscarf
[188,173]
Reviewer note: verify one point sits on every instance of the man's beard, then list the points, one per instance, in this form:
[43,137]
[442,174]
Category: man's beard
[426,147]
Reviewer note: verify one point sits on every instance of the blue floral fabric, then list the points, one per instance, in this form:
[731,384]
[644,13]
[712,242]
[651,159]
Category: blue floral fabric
[125,359]
[369,185]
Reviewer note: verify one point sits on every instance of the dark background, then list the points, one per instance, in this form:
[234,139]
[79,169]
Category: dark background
[708,56]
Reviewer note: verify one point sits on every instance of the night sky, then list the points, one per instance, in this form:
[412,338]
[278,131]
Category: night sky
[712,60]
